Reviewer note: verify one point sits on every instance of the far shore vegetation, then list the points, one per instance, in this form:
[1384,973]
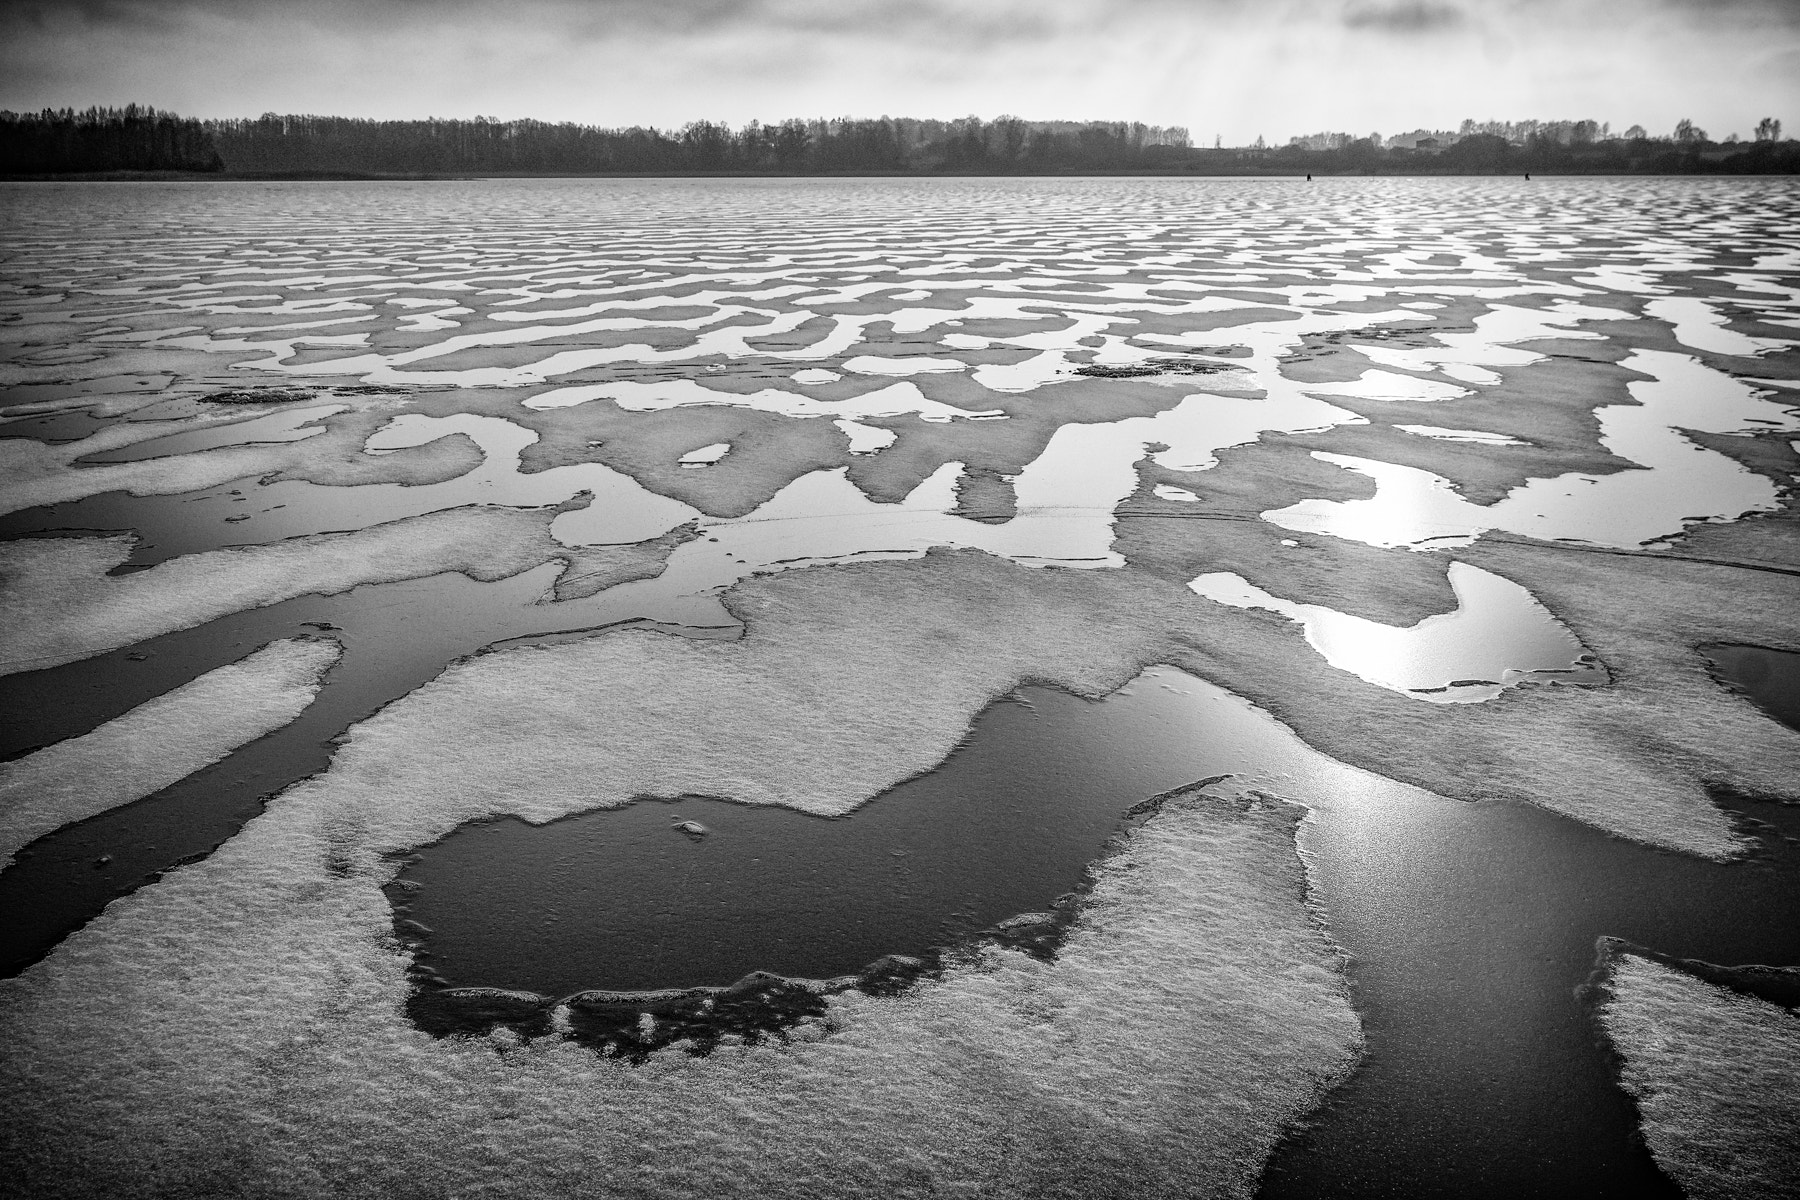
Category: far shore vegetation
[136,141]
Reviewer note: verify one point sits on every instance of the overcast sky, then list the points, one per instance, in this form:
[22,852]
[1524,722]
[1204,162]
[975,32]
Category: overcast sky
[1236,68]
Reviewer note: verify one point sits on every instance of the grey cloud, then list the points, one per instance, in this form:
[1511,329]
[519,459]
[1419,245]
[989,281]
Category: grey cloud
[913,19]
[1405,16]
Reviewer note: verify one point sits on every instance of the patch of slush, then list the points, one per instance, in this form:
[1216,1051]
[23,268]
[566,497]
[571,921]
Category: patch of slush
[1166,491]
[1681,484]
[1497,637]
[621,510]
[160,741]
[1066,497]
[895,400]
[291,425]
[1698,325]
[1636,758]
[1713,1072]
[58,604]
[1496,339]
[34,473]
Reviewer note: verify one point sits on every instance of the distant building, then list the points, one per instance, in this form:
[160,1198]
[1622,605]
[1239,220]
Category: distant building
[1431,139]
[1427,144]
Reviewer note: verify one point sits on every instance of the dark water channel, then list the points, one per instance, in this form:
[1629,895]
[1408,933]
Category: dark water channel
[396,636]
[1470,927]
[243,512]
[1769,677]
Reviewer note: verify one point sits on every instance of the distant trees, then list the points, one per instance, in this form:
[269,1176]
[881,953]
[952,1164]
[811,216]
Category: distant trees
[1561,133]
[1480,152]
[298,144]
[132,138]
[142,139]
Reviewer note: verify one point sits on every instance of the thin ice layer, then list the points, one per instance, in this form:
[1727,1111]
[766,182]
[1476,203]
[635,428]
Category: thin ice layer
[160,741]
[1713,1072]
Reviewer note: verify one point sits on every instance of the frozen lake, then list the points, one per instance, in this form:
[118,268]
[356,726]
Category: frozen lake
[432,521]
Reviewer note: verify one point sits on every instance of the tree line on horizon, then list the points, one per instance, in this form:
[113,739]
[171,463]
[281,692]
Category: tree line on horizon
[133,138]
[1535,135]
[142,139]
[887,144]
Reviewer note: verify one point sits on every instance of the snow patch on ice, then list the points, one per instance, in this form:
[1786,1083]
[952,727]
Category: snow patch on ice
[159,742]
[1713,1074]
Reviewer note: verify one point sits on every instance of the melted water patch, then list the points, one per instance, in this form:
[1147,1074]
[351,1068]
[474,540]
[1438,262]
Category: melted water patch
[1497,637]
[1769,677]
[669,895]
[1680,483]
